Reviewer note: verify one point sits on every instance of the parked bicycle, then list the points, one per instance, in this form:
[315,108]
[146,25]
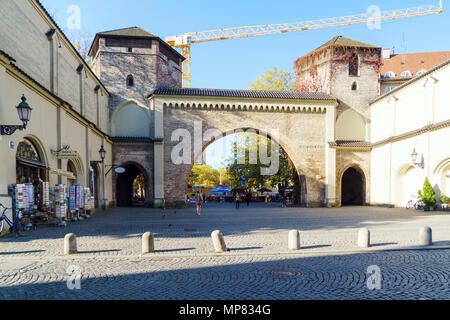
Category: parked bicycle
[418,205]
[16,225]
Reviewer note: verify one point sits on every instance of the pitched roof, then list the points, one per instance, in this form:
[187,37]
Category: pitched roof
[443,64]
[129,32]
[347,42]
[340,41]
[413,62]
[243,94]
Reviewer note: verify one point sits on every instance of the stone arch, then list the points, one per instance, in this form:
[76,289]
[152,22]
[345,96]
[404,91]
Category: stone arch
[281,141]
[442,171]
[31,149]
[124,183]
[353,185]
[131,112]
[39,148]
[405,184]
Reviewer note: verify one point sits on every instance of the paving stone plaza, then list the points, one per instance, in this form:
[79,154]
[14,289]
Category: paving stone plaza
[329,265]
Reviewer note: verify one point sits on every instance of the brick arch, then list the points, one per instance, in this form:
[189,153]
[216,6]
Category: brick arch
[309,163]
[364,177]
[122,182]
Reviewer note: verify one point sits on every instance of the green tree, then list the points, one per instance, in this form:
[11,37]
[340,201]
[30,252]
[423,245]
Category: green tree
[274,80]
[204,175]
[427,194]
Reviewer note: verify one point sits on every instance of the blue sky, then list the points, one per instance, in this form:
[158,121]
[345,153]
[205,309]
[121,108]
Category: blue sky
[234,64]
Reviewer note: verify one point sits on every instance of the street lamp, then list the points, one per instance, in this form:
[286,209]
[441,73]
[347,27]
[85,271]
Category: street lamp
[24,111]
[414,156]
[102,153]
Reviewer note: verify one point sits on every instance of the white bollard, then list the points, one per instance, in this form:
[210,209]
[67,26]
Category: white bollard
[148,243]
[364,238]
[294,240]
[218,242]
[70,244]
[426,236]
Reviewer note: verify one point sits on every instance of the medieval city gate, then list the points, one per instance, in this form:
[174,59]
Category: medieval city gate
[302,123]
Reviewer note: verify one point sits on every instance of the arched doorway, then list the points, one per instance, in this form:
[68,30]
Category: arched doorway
[132,186]
[353,188]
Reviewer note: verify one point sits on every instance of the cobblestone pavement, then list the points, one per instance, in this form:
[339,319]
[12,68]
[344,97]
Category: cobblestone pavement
[405,275]
[257,267]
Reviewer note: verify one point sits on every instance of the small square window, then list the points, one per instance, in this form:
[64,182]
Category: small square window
[130,49]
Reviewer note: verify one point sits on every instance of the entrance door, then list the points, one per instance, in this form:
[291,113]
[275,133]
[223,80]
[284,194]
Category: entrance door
[352,193]
[128,192]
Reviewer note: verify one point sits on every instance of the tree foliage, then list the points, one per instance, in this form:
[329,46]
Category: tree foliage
[274,80]
[427,194]
[204,175]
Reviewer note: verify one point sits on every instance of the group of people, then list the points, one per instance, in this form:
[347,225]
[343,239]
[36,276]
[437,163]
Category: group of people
[200,199]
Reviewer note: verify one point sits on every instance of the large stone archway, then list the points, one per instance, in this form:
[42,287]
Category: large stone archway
[302,124]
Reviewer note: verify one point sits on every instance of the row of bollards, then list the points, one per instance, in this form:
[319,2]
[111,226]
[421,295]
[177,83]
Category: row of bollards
[148,241]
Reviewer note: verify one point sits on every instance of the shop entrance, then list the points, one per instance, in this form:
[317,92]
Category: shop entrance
[30,167]
[352,188]
[132,187]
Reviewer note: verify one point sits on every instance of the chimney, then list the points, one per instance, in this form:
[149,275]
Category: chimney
[386,53]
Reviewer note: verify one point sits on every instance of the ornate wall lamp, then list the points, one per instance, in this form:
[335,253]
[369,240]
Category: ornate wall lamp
[24,111]
[414,157]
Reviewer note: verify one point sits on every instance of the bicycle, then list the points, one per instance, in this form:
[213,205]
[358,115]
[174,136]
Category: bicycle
[418,205]
[14,226]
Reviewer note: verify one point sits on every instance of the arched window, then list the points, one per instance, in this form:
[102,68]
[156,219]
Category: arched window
[353,68]
[130,81]
[389,74]
[406,73]
[354,86]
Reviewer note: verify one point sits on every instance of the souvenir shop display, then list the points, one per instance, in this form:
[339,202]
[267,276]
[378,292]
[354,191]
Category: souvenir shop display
[45,194]
[24,198]
[60,201]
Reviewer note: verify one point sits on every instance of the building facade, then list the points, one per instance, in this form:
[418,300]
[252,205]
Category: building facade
[70,118]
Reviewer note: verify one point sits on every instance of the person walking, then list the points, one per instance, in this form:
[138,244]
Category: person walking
[284,201]
[238,200]
[199,202]
[248,198]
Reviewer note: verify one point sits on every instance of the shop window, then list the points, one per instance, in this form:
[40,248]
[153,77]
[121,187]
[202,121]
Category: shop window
[27,151]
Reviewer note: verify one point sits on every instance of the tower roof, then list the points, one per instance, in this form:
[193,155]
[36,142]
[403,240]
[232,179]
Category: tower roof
[340,41]
[131,32]
[347,42]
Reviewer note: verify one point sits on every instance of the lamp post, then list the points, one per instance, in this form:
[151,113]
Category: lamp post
[102,153]
[414,156]
[24,111]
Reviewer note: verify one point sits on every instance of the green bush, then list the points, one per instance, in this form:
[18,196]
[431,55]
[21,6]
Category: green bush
[444,199]
[427,194]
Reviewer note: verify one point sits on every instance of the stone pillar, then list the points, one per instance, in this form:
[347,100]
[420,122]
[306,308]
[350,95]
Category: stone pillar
[364,238]
[148,243]
[425,236]
[158,153]
[70,244]
[294,240]
[330,190]
[218,242]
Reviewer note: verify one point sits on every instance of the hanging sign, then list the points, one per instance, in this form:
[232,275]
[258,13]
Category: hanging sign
[66,153]
[63,173]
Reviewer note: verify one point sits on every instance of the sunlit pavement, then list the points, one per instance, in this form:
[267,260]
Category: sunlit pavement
[258,266]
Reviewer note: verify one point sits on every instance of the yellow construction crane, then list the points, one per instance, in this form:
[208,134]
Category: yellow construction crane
[184,41]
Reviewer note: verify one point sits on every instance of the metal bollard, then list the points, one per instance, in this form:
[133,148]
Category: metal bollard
[425,236]
[218,242]
[70,244]
[148,243]
[364,238]
[294,240]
